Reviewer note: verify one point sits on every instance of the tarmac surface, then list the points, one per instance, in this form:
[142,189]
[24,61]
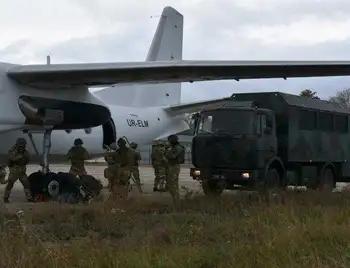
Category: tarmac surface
[146,174]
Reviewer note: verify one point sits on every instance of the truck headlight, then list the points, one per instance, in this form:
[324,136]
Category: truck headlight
[197,173]
[245,175]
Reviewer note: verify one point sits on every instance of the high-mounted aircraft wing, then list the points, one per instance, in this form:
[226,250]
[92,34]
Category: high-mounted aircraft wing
[95,74]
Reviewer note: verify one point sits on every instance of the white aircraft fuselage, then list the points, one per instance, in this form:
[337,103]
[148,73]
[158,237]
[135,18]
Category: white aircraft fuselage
[138,124]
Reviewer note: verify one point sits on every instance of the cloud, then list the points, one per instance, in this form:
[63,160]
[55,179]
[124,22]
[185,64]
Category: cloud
[104,31]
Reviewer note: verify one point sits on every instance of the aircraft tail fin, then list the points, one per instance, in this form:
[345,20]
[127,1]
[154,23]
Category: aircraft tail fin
[166,45]
[168,39]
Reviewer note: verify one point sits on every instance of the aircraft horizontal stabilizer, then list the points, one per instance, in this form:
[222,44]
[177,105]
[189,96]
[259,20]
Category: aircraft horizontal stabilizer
[99,74]
[193,107]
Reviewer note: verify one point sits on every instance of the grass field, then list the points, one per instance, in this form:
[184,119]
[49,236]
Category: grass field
[296,229]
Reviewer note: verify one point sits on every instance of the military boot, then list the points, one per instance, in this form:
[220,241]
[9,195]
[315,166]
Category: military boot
[28,195]
[138,185]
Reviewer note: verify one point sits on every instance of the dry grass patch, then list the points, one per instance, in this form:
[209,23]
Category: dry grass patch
[291,230]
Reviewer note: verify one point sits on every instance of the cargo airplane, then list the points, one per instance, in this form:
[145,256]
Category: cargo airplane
[52,102]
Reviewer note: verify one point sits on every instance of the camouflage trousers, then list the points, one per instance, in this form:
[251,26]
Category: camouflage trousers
[3,174]
[120,184]
[17,173]
[172,182]
[109,174]
[160,173]
[77,169]
[135,172]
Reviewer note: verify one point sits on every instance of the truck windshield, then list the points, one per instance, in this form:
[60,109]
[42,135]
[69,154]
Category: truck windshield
[226,121]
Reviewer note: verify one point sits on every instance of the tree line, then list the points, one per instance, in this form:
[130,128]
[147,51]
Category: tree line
[342,97]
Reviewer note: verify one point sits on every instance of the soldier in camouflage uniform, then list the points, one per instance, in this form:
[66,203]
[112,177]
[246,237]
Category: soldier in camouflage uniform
[136,157]
[159,163]
[18,159]
[77,155]
[110,173]
[3,174]
[174,156]
[154,165]
[123,161]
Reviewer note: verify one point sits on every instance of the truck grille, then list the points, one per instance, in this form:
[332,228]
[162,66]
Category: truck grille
[222,152]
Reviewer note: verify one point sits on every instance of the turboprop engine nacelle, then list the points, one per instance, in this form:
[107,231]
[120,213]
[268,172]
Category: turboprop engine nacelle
[40,115]
[62,114]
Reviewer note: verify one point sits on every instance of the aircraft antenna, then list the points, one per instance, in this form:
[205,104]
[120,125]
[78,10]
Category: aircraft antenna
[48,59]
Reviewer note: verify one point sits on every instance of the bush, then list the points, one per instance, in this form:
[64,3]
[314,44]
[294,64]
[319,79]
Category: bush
[297,229]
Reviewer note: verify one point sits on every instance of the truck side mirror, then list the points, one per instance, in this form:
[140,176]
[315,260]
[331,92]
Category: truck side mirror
[195,120]
[194,126]
[194,116]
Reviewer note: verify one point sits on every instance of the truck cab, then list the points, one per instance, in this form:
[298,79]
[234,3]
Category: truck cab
[232,146]
[273,140]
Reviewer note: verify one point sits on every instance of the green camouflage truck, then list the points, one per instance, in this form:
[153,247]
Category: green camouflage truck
[271,140]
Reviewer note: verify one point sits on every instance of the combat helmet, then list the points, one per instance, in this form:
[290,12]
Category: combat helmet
[21,141]
[113,146]
[78,142]
[173,138]
[121,142]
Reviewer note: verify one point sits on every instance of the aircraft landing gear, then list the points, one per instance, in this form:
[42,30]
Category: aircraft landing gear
[46,150]
[44,178]
[45,185]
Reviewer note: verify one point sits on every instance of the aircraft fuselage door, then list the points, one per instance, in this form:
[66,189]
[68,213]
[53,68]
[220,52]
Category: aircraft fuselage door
[109,133]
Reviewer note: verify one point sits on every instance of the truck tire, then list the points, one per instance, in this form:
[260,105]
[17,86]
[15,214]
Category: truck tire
[326,182]
[272,181]
[212,188]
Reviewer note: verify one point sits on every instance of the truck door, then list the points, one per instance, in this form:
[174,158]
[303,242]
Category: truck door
[266,138]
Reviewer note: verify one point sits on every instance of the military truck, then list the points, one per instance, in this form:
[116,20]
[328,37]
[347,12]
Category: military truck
[270,140]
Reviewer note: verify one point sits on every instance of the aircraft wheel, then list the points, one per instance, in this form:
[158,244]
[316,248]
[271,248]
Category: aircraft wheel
[69,188]
[38,183]
[53,186]
[73,189]
[92,185]
[62,186]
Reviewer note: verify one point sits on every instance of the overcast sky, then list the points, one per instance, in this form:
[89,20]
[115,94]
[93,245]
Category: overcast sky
[115,30]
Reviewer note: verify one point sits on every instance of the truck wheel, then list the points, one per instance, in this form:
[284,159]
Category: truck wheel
[272,180]
[212,188]
[326,180]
